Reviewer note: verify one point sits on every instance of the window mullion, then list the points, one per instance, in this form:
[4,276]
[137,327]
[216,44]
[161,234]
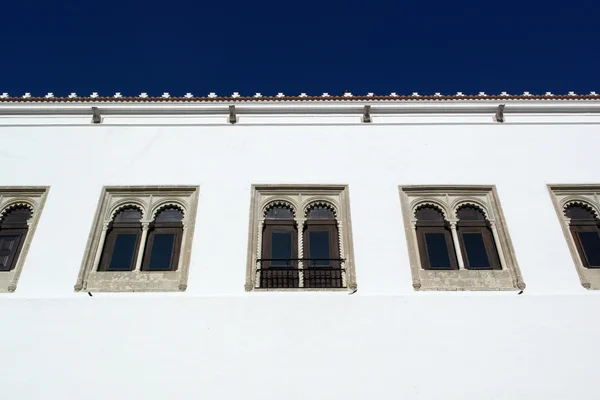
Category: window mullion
[140,254]
[457,248]
[300,235]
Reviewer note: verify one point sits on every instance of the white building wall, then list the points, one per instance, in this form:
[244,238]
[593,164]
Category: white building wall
[217,341]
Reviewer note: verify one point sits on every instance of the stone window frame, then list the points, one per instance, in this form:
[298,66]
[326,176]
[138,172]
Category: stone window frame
[449,198]
[564,195]
[150,200]
[34,198]
[301,198]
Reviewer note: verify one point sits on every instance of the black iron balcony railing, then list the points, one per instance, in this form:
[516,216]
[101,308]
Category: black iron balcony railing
[286,273]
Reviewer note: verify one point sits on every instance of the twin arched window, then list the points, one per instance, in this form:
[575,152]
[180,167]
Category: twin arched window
[13,230]
[439,239]
[584,227]
[312,261]
[132,245]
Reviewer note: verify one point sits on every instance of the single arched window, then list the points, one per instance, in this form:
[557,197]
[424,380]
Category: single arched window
[476,239]
[13,230]
[122,241]
[279,248]
[164,241]
[321,249]
[584,228]
[435,239]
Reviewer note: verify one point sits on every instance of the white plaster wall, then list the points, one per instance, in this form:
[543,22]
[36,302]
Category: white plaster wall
[216,341]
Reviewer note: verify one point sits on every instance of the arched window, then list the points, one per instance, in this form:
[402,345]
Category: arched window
[321,249]
[122,241]
[584,228]
[435,239]
[13,230]
[164,241]
[279,248]
[476,239]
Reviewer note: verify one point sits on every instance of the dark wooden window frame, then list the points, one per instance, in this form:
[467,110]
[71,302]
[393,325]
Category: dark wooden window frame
[115,229]
[481,227]
[424,227]
[15,228]
[13,231]
[279,276]
[161,228]
[322,276]
[322,225]
[583,225]
[278,225]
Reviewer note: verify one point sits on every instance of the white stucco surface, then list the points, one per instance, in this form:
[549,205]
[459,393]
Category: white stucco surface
[216,341]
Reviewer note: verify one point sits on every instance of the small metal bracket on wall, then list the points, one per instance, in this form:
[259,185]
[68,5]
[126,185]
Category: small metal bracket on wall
[500,113]
[366,118]
[96,117]
[232,116]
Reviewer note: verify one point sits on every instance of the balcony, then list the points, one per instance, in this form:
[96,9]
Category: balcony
[317,273]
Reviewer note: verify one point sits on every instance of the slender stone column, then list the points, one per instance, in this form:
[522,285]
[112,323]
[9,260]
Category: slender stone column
[300,225]
[498,245]
[140,255]
[461,261]
[96,263]
[261,225]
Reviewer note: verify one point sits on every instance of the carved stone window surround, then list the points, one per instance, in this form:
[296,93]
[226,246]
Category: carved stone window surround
[449,199]
[150,200]
[300,198]
[34,198]
[563,196]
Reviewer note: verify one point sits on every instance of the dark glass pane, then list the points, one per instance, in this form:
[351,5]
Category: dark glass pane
[437,250]
[122,255]
[8,248]
[320,212]
[579,212]
[590,241]
[162,250]
[279,212]
[429,213]
[128,215]
[470,213]
[169,215]
[17,215]
[319,248]
[282,248]
[475,248]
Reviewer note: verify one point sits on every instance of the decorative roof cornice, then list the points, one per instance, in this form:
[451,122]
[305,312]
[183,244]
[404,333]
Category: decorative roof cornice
[280,97]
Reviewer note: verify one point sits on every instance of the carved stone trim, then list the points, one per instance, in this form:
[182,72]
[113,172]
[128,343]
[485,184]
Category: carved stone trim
[586,195]
[150,200]
[16,203]
[165,204]
[584,203]
[279,202]
[416,205]
[33,198]
[323,203]
[299,197]
[125,204]
[451,198]
[473,203]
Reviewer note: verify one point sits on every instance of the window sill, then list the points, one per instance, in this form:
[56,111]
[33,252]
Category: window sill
[462,280]
[134,281]
[591,277]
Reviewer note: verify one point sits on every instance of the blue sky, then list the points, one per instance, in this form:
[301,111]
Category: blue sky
[291,47]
